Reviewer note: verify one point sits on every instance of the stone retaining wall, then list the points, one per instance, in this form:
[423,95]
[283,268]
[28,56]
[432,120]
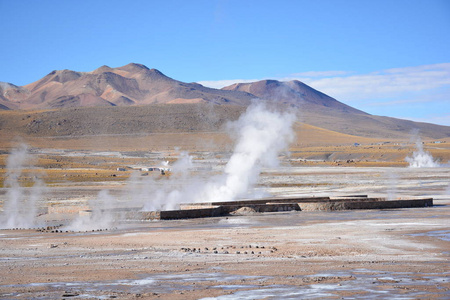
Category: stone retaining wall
[376,204]
[191,213]
[205,210]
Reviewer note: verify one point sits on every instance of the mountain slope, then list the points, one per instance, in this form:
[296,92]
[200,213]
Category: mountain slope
[293,93]
[318,109]
[136,85]
[133,84]
[11,94]
[128,120]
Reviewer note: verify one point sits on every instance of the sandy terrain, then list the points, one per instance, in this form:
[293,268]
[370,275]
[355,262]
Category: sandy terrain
[370,254]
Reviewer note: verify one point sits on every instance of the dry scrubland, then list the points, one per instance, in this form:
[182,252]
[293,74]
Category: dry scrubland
[166,130]
[313,147]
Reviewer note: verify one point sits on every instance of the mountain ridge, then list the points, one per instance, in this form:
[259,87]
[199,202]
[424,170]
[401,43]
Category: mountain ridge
[132,84]
[137,85]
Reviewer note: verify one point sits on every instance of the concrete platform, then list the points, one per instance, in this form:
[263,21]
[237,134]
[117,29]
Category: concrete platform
[216,209]
[213,209]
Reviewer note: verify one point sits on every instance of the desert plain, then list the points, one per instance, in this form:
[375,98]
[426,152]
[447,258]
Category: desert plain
[372,254]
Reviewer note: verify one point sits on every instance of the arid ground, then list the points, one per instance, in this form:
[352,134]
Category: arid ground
[370,254]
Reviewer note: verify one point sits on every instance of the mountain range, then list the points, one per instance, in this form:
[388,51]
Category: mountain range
[133,84]
[136,85]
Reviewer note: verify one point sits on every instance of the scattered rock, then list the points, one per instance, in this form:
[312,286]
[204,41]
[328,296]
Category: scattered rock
[244,211]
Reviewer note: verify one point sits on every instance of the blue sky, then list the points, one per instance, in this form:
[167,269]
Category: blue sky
[387,58]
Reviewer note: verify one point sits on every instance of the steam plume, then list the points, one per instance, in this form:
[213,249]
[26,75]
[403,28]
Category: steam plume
[421,158]
[101,215]
[392,185]
[261,135]
[20,206]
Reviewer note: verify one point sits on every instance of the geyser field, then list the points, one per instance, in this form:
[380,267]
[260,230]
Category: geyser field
[65,232]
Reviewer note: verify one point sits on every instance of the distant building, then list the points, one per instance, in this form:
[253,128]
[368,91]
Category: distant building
[149,169]
[155,169]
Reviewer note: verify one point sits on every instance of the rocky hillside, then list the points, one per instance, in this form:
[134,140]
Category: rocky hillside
[129,120]
[133,84]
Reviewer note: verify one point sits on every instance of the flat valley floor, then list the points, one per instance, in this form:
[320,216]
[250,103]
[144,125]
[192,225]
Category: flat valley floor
[360,254]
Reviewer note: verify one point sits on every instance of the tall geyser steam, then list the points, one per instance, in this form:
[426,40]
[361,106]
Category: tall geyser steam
[20,206]
[421,158]
[261,134]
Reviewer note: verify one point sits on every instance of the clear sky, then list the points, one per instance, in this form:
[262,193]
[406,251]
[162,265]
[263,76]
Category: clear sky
[387,58]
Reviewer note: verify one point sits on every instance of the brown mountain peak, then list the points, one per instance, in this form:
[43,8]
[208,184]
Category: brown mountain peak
[154,75]
[61,76]
[66,75]
[133,67]
[102,69]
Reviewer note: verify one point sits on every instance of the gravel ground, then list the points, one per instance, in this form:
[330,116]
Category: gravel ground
[371,254]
